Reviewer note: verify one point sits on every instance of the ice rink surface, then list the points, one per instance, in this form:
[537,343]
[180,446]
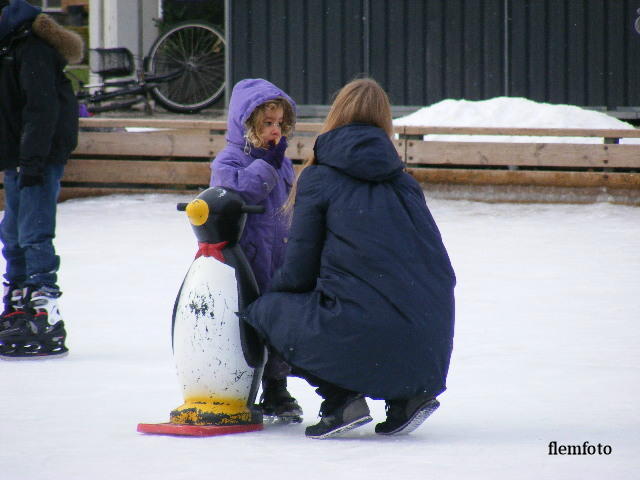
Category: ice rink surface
[546,349]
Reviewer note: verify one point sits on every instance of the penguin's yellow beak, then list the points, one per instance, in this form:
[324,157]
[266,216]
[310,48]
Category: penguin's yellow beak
[198,212]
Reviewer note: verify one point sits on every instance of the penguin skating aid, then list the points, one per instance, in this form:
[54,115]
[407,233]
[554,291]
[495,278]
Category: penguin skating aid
[219,358]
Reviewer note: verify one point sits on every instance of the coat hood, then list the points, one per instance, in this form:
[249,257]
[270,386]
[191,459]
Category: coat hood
[245,97]
[14,15]
[359,150]
[18,13]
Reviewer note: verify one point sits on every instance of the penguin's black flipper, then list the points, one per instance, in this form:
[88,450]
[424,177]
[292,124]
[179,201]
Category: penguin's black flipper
[173,315]
[255,354]
[253,347]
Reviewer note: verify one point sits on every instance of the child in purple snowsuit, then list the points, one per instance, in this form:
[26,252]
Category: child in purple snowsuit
[253,165]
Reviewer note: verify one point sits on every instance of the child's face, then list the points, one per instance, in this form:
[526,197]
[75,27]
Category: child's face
[272,126]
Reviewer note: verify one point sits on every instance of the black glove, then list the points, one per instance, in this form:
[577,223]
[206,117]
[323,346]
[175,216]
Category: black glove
[275,153]
[25,180]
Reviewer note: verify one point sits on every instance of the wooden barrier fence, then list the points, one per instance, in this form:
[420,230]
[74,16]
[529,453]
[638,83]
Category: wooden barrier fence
[154,155]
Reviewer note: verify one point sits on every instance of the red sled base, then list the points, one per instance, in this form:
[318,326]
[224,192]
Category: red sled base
[195,430]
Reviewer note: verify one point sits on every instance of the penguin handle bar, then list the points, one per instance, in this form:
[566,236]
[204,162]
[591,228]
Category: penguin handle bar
[252,209]
[245,208]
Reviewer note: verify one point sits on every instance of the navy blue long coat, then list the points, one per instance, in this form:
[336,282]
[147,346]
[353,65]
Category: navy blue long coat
[364,298]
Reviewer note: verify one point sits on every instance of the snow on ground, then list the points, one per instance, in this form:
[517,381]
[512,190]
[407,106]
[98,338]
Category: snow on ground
[545,350]
[511,112]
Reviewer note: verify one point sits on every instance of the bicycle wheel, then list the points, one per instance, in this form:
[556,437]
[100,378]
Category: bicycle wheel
[198,50]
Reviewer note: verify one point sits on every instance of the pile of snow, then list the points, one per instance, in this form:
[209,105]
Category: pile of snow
[508,112]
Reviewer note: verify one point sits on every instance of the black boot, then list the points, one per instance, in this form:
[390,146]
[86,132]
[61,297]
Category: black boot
[405,415]
[277,404]
[339,416]
[39,332]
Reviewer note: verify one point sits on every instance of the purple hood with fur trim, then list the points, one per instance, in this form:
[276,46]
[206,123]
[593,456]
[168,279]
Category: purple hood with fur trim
[246,96]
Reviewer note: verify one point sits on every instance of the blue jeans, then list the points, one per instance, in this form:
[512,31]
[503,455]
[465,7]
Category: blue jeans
[28,228]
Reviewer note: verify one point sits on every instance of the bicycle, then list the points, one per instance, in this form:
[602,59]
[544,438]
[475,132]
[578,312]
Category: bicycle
[183,71]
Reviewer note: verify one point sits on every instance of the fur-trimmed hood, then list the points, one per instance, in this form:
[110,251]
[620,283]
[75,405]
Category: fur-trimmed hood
[19,16]
[247,94]
[69,44]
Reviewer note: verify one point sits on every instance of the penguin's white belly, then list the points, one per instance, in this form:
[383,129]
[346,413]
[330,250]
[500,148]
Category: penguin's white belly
[206,337]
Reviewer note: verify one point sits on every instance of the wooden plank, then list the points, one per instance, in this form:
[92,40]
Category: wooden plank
[300,148]
[183,143]
[137,172]
[526,177]
[529,132]
[308,127]
[523,154]
[171,124]
[97,122]
[178,143]
[315,127]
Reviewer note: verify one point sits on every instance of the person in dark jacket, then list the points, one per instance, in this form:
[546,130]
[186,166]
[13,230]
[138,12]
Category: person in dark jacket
[253,164]
[363,304]
[38,131]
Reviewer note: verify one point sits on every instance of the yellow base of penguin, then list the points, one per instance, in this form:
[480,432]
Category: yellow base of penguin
[215,411]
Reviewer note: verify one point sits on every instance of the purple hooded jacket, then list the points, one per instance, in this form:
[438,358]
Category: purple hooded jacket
[241,169]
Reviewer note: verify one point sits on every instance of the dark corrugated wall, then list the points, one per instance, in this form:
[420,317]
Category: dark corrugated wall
[582,52]
[309,48]
[424,51]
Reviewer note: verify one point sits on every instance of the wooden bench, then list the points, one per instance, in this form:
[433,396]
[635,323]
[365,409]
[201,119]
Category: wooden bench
[174,156]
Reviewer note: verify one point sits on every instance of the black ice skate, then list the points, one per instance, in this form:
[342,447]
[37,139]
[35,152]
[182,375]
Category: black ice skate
[404,416]
[277,404]
[39,332]
[353,412]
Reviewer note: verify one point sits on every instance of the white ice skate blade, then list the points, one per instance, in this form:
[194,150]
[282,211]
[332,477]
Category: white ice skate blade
[343,429]
[281,419]
[416,419]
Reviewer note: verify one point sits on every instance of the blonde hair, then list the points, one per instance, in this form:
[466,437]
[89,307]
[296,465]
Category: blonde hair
[359,101]
[254,123]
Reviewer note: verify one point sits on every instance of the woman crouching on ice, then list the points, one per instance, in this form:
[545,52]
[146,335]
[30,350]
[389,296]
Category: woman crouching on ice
[363,305]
